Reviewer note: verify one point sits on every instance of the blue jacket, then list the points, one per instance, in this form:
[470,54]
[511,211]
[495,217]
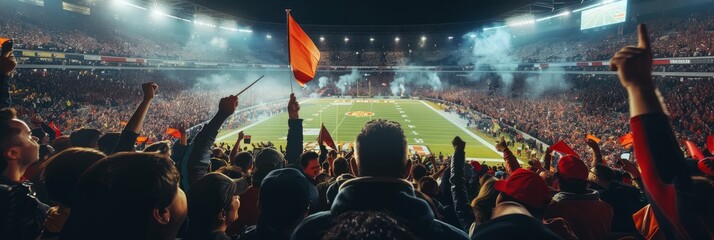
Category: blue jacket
[392,195]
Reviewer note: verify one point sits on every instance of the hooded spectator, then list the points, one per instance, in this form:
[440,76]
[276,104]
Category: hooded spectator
[587,215]
[381,160]
[278,219]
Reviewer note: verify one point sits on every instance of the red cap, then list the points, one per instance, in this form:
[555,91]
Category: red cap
[571,167]
[525,186]
[476,166]
[707,166]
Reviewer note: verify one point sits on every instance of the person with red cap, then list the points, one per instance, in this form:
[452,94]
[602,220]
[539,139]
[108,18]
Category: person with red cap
[587,215]
[524,194]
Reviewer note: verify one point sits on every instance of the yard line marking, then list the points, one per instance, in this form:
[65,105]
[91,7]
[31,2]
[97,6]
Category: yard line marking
[481,140]
[343,118]
[252,125]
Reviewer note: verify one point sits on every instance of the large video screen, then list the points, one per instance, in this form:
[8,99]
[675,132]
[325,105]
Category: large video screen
[611,13]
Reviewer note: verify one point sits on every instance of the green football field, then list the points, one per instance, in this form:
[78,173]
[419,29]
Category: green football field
[426,128]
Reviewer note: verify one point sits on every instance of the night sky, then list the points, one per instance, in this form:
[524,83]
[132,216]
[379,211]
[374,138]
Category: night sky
[364,12]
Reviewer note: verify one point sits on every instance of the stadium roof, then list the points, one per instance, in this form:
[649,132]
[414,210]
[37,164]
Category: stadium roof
[365,15]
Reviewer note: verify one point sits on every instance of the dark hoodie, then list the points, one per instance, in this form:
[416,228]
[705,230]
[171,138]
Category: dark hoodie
[392,195]
[587,216]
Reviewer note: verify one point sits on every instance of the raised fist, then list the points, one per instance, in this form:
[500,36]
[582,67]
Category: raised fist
[149,90]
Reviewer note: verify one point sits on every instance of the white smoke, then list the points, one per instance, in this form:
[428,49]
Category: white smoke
[405,78]
[490,49]
[397,86]
[346,81]
[218,42]
[323,81]
[551,79]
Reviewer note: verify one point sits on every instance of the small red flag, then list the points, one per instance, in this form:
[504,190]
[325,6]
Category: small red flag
[304,55]
[593,137]
[626,140]
[324,137]
[141,139]
[55,128]
[694,150]
[173,132]
[562,147]
[710,143]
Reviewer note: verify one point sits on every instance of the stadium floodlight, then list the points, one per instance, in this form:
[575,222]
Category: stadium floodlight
[245,30]
[396,39]
[474,35]
[123,2]
[347,39]
[522,20]
[268,36]
[451,37]
[371,39]
[423,38]
[489,28]
[554,16]
[229,29]
[322,39]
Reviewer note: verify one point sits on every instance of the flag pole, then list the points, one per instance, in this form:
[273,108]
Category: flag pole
[290,65]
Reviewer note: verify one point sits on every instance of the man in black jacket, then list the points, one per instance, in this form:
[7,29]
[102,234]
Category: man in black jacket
[22,216]
[381,160]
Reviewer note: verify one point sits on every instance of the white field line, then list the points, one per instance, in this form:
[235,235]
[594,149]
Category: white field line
[460,126]
[250,126]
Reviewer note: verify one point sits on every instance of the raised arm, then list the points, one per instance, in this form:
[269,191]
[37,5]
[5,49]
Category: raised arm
[508,157]
[458,185]
[293,148]
[664,175]
[131,131]
[199,153]
[547,158]
[178,150]
[597,155]
[236,147]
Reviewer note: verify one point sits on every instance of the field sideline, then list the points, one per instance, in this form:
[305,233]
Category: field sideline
[422,124]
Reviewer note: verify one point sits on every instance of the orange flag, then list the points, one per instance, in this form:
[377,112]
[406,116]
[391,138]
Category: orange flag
[626,140]
[122,123]
[694,150]
[141,139]
[173,132]
[324,137]
[593,137]
[304,55]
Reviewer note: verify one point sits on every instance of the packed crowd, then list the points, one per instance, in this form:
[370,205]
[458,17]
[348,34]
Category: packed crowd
[594,105]
[94,184]
[678,35]
[103,99]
